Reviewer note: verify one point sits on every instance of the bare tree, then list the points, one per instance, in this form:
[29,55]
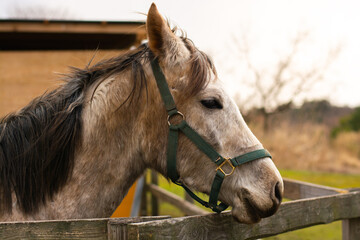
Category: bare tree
[276,90]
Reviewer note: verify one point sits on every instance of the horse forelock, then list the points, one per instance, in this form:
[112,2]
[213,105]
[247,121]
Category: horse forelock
[201,65]
[201,68]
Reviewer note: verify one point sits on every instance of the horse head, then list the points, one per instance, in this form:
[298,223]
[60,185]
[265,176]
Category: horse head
[254,190]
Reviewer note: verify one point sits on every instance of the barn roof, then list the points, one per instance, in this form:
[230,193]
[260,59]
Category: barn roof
[69,35]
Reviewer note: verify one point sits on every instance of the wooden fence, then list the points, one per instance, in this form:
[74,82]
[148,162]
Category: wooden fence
[312,204]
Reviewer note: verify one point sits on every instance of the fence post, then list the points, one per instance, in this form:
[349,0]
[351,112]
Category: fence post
[351,229]
[144,201]
[154,200]
[117,227]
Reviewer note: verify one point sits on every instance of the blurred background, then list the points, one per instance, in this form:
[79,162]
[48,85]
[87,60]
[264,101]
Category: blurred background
[292,66]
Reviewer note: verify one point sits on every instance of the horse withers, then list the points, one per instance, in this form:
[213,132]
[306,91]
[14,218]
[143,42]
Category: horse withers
[75,152]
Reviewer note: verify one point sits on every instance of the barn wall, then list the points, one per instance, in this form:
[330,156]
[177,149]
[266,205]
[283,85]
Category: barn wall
[27,74]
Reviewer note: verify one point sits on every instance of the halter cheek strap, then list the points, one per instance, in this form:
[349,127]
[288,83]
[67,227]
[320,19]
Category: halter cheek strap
[202,145]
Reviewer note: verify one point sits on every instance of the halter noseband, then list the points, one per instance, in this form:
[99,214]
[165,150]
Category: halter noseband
[200,143]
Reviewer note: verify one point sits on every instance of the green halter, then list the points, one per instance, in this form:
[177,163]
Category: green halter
[200,143]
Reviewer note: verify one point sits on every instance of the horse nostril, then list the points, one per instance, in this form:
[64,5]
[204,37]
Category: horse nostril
[278,193]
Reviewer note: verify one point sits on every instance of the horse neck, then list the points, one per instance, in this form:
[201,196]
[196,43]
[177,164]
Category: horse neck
[117,145]
[109,158]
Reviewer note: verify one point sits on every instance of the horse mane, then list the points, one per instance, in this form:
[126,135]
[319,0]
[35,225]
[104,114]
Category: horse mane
[37,143]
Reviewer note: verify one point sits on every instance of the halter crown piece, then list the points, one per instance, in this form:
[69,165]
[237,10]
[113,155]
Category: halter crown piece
[200,143]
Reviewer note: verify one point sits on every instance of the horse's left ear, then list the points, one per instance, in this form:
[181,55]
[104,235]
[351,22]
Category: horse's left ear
[162,41]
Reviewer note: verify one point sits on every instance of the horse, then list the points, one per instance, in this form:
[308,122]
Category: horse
[75,151]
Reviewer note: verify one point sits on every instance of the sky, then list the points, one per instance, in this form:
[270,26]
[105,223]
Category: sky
[267,28]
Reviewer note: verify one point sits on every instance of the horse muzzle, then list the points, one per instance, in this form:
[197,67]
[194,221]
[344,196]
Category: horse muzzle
[248,209]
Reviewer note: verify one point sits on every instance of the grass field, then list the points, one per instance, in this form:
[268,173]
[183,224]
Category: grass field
[308,146]
[330,231]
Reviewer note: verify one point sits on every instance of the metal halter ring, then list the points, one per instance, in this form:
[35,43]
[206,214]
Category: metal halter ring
[227,160]
[172,115]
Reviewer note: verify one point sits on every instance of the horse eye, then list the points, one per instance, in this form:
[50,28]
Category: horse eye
[211,103]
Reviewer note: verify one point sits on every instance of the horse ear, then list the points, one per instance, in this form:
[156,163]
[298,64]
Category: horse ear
[156,29]
[162,41]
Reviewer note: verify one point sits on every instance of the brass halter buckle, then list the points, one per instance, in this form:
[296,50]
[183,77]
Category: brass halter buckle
[227,160]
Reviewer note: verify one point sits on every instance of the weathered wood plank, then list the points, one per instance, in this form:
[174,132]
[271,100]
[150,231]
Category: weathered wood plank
[291,216]
[184,206]
[64,229]
[294,189]
[117,227]
[351,229]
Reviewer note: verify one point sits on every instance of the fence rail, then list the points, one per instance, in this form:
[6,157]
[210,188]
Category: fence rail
[185,206]
[100,228]
[291,216]
[298,190]
[315,204]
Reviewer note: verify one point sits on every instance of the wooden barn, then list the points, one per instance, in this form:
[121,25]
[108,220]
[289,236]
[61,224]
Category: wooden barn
[34,53]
